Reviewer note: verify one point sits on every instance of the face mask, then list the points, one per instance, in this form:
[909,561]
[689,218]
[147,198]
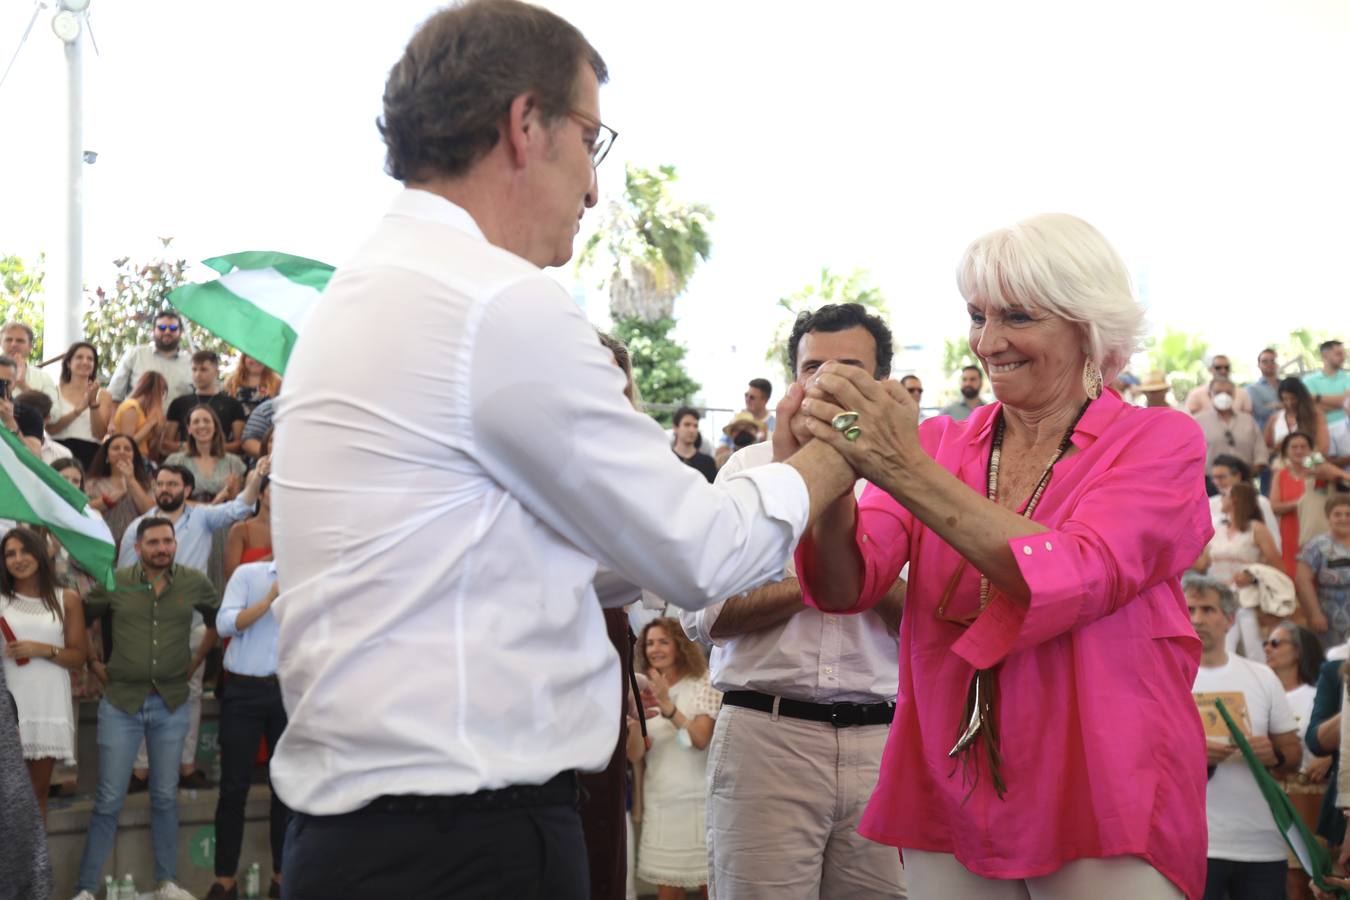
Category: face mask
[1223,402]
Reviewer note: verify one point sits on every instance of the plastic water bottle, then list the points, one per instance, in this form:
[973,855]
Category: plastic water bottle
[110,889]
[127,889]
[253,882]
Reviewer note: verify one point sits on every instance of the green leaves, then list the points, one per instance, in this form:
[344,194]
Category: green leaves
[1180,356]
[647,246]
[118,319]
[22,300]
[855,287]
[658,364]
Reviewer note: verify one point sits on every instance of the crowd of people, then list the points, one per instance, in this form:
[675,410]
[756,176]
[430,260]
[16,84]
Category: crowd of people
[159,455]
[977,653]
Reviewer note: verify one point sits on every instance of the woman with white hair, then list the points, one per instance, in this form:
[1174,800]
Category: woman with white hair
[1045,741]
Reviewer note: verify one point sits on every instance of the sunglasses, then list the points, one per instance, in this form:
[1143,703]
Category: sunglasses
[1272,643]
[172,328]
[1221,368]
[915,392]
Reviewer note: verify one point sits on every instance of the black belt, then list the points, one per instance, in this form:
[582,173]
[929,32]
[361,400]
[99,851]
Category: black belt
[840,715]
[256,679]
[562,789]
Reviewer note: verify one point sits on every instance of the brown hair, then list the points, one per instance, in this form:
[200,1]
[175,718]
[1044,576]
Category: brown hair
[217,448]
[691,662]
[446,97]
[1245,508]
[152,384]
[1335,500]
[269,385]
[46,579]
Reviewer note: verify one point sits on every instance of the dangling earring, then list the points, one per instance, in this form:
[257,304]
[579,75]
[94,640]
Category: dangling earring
[1092,379]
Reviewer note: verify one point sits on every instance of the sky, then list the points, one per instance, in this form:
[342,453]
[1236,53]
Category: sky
[1207,140]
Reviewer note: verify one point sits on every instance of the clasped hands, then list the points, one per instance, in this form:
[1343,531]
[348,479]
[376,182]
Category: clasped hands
[887,420]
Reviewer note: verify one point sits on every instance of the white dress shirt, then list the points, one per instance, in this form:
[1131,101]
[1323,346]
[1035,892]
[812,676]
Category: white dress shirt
[439,629]
[813,656]
[176,369]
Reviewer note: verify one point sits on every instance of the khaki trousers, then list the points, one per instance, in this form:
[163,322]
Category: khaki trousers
[784,799]
[939,876]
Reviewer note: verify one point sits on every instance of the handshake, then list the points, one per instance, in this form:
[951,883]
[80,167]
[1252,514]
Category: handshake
[872,424]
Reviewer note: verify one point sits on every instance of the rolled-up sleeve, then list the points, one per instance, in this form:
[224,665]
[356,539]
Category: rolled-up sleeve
[1140,521]
[237,592]
[551,425]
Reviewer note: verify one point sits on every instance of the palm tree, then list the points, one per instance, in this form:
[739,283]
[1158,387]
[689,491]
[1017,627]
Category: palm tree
[647,246]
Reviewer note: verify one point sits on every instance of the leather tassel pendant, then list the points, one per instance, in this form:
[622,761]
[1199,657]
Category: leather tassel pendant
[980,730]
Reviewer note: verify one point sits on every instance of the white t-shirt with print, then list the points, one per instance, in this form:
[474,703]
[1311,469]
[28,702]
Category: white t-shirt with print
[1241,827]
[1300,704]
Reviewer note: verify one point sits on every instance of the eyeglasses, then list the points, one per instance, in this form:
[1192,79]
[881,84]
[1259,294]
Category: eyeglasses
[170,328]
[1218,368]
[603,140]
[1228,435]
[1272,643]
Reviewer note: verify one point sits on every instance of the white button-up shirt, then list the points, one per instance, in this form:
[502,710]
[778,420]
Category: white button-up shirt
[813,656]
[176,369]
[437,540]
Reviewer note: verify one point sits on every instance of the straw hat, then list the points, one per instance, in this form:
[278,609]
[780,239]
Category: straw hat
[1156,381]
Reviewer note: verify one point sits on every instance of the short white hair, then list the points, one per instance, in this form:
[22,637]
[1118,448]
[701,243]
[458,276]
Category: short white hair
[1061,265]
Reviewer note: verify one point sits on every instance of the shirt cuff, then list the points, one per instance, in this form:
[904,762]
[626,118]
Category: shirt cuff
[1049,568]
[225,620]
[782,494]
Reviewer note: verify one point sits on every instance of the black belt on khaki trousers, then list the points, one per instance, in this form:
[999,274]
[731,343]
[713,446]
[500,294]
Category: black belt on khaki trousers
[840,715]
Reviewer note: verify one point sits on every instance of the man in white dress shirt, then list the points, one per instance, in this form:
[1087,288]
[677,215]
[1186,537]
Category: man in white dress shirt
[808,700]
[442,653]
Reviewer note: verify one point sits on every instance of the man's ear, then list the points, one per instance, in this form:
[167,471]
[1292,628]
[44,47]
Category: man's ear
[523,125]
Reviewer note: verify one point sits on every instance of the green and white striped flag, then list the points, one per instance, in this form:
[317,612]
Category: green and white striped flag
[259,304]
[1314,858]
[32,491]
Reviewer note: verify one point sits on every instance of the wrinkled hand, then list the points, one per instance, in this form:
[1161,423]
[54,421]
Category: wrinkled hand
[791,434]
[1216,751]
[887,415]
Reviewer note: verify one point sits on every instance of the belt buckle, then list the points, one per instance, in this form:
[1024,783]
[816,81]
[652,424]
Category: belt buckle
[845,715]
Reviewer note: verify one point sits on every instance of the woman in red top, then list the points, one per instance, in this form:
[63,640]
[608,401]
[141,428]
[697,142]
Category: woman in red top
[251,540]
[1302,469]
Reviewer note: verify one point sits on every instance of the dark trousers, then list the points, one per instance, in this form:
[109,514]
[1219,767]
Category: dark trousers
[1245,880]
[530,853]
[249,710]
[604,804]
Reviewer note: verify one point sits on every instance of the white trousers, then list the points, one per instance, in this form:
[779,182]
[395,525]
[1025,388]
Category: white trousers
[939,876]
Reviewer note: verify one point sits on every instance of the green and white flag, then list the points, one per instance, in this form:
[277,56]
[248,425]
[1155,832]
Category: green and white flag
[259,304]
[1314,858]
[32,491]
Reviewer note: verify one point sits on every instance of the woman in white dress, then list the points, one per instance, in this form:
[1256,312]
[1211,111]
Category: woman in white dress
[673,850]
[44,641]
[1240,539]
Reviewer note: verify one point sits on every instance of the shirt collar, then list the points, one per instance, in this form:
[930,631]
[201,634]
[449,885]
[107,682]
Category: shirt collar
[138,571]
[418,204]
[1098,416]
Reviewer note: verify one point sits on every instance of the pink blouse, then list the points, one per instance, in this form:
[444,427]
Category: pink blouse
[1103,752]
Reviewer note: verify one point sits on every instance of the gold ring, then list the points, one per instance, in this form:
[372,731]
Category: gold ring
[844,421]
[852,433]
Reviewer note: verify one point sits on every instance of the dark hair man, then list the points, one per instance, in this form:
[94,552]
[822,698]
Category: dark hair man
[972,380]
[412,734]
[1331,385]
[793,677]
[146,696]
[16,342]
[163,355]
[205,392]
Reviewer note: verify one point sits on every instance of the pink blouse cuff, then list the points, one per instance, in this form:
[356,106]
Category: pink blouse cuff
[1050,566]
[869,596]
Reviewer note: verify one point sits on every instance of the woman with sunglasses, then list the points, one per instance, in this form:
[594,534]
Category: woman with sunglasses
[1296,657]
[1045,739]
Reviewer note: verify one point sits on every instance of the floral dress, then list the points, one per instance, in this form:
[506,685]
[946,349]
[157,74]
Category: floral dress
[1330,564]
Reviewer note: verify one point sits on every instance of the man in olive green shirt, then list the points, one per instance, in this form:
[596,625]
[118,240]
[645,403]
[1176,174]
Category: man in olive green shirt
[146,695]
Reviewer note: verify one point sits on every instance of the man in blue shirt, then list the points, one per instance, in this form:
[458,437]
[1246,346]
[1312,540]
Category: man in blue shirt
[251,708]
[1265,391]
[194,526]
[1330,386]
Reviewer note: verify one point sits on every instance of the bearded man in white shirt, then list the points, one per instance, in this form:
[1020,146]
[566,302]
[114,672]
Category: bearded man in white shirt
[442,653]
[808,700]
